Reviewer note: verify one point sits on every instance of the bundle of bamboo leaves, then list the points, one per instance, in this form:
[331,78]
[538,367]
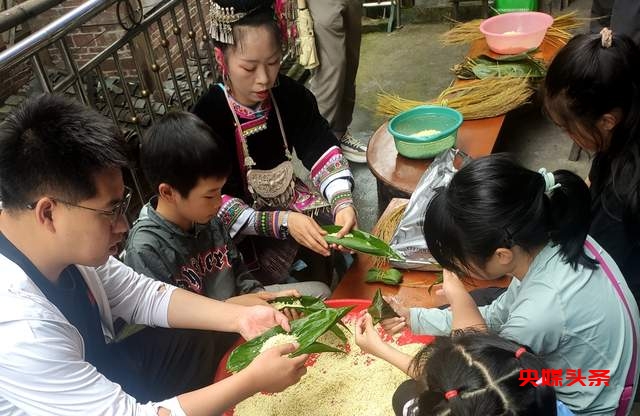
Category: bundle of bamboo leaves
[475,99]
[557,35]
[484,66]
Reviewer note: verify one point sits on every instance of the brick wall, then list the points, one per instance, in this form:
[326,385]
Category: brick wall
[103,30]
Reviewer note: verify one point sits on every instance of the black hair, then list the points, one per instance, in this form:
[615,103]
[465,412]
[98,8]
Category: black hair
[486,374]
[584,82]
[493,202]
[53,146]
[179,150]
[260,13]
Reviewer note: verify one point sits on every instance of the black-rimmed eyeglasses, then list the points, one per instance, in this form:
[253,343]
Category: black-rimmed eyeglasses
[119,209]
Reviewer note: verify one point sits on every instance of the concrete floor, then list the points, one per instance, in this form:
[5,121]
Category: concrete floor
[411,63]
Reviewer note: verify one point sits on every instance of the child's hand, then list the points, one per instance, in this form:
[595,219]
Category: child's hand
[367,337]
[452,287]
[273,371]
[251,299]
[394,325]
[290,313]
[257,319]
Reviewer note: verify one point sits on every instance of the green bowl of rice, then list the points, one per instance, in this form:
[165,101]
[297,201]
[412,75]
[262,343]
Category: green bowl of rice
[424,131]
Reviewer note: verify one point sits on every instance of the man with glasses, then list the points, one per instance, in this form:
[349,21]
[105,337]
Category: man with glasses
[61,289]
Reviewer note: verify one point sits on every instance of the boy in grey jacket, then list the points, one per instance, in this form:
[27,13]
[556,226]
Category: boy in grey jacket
[177,237]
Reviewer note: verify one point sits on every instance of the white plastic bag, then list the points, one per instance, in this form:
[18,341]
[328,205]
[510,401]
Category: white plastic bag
[408,238]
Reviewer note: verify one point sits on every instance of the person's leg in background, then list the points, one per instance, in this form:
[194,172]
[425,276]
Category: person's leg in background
[315,289]
[157,363]
[338,30]
[625,18]
[601,15]
[621,16]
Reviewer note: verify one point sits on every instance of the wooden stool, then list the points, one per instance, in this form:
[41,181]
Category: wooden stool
[456,8]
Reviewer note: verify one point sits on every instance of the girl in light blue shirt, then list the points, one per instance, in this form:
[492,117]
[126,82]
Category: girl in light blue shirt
[567,301]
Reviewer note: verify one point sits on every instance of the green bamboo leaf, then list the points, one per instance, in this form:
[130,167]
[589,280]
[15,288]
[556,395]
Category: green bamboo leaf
[388,276]
[339,333]
[486,66]
[380,308]
[360,241]
[304,303]
[307,330]
[316,347]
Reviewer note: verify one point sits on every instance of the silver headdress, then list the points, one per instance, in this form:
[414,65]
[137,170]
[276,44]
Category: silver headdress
[221,19]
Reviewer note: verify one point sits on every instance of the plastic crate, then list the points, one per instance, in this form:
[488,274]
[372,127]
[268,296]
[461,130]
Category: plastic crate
[507,6]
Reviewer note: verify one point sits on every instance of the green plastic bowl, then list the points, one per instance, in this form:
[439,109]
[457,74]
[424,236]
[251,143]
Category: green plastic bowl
[445,120]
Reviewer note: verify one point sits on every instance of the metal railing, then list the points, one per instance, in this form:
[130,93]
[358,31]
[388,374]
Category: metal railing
[164,44]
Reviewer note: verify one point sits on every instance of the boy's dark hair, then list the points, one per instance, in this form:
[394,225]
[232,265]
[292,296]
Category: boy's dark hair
[587,80]
[493,202]
[260,13]
[485,373]
[53,146]
[179,150]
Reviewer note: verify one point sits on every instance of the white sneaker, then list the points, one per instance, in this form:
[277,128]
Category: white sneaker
[353,150]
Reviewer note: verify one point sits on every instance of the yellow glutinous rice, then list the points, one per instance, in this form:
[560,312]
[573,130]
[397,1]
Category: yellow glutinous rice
[279,339]
[352,384]
[424,133]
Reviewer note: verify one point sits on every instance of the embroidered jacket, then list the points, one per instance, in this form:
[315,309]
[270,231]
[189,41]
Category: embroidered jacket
[308,134]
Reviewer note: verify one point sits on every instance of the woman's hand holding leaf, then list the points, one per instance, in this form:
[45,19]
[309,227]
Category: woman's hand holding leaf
[273,370]
[258,319]
[347,218]
[308,233]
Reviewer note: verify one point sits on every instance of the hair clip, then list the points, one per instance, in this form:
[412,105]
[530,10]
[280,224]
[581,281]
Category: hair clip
[606,36]
[450,394]
[549,181]
[520,351]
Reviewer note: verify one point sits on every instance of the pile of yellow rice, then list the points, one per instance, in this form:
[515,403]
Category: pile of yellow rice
[335,385]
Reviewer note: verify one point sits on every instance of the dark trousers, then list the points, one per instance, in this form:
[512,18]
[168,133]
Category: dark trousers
[622,16]
[160,363]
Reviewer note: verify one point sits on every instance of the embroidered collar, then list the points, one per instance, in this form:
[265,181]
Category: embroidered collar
[248,113]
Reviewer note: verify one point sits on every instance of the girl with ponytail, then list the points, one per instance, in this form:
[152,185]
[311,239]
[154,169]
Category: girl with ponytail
[567,300]
[592,91]
[470,374]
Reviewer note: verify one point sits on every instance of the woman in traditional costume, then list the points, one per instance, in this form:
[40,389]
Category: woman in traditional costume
[263,117]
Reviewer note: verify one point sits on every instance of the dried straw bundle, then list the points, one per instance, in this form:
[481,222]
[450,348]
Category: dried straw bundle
[462,32]
[557,35]
[475,99]
[385,229]
[560,32]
